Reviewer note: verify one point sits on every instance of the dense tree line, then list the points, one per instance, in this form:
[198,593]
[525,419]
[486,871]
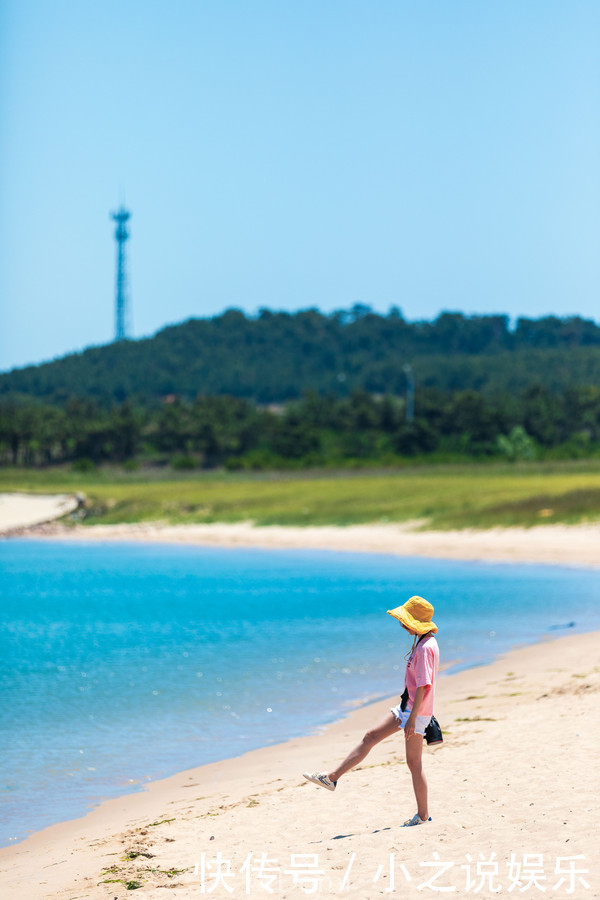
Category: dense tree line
[314,430]
[278,356]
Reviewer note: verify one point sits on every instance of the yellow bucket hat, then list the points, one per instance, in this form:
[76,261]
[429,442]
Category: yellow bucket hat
[417,614]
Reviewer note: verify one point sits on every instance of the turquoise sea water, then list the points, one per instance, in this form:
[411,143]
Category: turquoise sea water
[122,663]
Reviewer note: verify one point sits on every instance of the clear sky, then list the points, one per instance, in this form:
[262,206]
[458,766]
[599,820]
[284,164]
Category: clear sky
[432,155]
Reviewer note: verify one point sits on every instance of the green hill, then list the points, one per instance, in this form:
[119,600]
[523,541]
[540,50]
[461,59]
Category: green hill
[278,356]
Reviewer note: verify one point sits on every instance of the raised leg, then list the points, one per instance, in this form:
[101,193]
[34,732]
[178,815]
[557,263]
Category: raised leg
[385,728]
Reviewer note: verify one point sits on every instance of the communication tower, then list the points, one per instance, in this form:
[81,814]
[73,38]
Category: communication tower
[121,217]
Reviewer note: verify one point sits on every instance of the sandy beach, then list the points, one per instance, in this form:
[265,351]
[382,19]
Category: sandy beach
[514,789]
[557,544]
[514,798]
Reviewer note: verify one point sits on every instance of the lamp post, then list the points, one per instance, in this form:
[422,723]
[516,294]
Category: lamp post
[410,392]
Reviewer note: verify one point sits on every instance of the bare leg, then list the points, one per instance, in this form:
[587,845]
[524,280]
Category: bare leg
[387,726]
[414,754]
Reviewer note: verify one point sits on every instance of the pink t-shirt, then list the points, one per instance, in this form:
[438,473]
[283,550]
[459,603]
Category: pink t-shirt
[422,669]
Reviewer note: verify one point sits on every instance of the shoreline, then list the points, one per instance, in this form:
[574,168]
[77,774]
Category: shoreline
[549,544]
[29,516]
[262,793]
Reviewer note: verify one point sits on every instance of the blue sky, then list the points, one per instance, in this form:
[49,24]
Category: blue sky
[294,153]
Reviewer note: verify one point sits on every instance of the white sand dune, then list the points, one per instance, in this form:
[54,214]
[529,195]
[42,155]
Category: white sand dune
[26,510]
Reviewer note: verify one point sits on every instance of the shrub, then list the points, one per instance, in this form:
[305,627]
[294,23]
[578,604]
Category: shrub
[84,465]
[517,444]
[183,462]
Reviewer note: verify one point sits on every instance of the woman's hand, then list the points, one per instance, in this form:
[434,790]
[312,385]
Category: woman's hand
[409,728]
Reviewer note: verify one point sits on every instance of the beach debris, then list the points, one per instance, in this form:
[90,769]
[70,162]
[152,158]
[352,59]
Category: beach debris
[476,719]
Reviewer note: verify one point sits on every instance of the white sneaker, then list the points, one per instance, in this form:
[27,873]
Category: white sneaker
[416,820]
[320,778]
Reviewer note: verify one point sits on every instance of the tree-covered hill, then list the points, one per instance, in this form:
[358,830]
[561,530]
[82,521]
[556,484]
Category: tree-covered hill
[277,356]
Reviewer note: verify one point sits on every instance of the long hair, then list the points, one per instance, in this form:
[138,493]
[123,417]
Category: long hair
[408,655]
[416,639]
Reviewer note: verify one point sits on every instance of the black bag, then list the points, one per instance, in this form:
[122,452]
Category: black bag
[433,732]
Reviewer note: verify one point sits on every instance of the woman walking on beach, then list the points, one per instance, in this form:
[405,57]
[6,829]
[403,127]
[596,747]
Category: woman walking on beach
[415,616]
